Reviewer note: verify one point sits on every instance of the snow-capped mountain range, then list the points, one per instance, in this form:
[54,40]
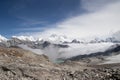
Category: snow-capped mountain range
[24,38]
[54,38]
[60,46]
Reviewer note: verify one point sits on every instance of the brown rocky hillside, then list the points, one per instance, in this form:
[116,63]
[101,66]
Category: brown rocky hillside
[19,64]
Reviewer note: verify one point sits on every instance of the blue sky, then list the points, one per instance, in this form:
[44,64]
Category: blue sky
[75,18]
[17,16]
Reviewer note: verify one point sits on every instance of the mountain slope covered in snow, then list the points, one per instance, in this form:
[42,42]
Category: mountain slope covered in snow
[2,38]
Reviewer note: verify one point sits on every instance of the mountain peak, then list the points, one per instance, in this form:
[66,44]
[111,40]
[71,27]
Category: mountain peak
[59,38]
[2,38]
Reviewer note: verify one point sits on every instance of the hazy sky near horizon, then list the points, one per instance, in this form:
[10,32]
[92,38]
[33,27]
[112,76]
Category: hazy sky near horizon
[74,18]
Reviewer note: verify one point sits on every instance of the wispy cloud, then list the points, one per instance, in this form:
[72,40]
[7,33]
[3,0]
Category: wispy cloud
[27,22]
[30,29]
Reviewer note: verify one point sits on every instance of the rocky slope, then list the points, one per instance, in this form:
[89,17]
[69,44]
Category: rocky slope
[19,64]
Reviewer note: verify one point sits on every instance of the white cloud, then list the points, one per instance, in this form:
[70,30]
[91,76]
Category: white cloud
[103,18]
[98,23]
[94,5]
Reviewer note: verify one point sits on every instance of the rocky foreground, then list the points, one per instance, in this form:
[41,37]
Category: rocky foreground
[19,64]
